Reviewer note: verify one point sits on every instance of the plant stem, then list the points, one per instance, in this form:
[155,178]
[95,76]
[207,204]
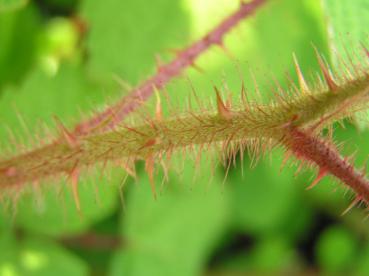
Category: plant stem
[329,160]
[166,72]
[247,126]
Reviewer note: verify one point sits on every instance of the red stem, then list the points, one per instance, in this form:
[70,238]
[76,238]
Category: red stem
[93,241]
[329,160]
[167,71]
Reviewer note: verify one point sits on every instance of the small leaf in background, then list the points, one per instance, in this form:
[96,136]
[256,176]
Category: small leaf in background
[347,28]
[336,250]
[175,234]
[34,256]
[362,267]
[273,255]
[19,30]
[59,41]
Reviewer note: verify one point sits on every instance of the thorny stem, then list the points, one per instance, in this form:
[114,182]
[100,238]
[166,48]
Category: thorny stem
[166,72]
[286,121]
[329,160]
[245,126]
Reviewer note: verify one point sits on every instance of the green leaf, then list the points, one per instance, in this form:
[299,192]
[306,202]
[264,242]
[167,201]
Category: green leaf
[263,197]
[273,254]
[11,5]
[270,256]
[336,250]
[173,235]
[19,31]
[347,27]
[125,36]
[362,267]
[37,257]
[347,23]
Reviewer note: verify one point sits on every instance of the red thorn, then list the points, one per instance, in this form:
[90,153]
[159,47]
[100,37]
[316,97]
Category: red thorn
[286,157]
[74,176]
[223,111]
[130,169]
[159,63]
[175,51]
[159,110]
[352,205]
[66,134]
[225,49]
[123,83]
[293,119]
[149,143]
[149,167]
[303,86]
[321,174]
[327,75]
[135,131]
[366,51]
[196,67]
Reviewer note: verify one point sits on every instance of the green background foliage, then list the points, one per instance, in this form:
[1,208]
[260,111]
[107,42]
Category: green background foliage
[62,57]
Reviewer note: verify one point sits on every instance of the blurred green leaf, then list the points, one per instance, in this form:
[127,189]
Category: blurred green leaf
[11,5]
[263,197]
[336,250]
[175,234]
[58,41]
[270,256]
[347,27]
[19,31]
[362,267]
[274,255]
[37,257]
[62,6]
[347,23]
[125,36]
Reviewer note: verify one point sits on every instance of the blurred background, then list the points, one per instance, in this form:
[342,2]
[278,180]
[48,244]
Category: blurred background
[71,57]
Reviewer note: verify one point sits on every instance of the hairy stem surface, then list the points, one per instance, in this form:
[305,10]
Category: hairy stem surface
[329,160]
[157,137]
